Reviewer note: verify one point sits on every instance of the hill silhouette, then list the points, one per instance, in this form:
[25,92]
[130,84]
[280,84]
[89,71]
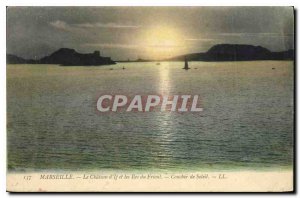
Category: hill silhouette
[220,52]
[235,52]
[65,57]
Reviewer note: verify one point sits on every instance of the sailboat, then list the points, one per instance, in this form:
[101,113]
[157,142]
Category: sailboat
[186,64]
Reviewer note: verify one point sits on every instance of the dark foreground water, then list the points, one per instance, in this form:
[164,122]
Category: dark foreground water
[247,121]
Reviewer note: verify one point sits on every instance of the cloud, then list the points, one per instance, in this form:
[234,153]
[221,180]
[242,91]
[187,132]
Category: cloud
[111,45]
[106,25]
[258,34]
[130,46]
[60,25]
[215,37]
[201,39]
[164,46]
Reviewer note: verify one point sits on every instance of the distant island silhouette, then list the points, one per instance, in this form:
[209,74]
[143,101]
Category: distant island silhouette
[65,57]
[235,52]
[220,52]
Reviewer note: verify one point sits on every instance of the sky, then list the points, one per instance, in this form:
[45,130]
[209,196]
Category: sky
[145,32]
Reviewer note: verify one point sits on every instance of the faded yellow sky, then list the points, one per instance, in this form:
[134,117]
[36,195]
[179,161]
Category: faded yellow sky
[145,32]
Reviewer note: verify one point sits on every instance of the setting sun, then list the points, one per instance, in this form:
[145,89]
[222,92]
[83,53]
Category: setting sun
[162,42]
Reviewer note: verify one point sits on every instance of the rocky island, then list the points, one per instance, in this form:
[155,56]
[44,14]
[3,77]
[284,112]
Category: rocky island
[236,52]
[220,52]
[65,57]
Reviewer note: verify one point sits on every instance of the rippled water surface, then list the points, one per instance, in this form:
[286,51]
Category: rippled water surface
[247,121]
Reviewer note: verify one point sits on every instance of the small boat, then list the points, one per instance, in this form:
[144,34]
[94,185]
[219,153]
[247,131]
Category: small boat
[186,64]
[157,63]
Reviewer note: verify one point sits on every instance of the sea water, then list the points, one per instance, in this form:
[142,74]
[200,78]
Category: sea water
[246,122]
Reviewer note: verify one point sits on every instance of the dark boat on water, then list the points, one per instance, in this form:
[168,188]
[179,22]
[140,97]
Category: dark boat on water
[186,64]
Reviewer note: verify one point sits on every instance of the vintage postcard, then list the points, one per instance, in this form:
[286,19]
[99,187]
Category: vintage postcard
[150,99]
